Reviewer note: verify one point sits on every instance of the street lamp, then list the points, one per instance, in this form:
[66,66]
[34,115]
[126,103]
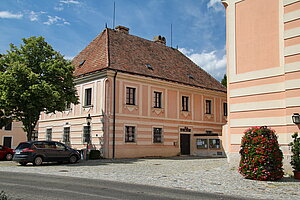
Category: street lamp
[296,118]
[88,134]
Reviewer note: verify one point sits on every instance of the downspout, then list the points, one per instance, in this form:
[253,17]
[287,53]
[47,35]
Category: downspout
[114,117]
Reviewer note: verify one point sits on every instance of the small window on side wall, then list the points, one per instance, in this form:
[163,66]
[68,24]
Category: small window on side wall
[88,97]
[8,127]
[225,109]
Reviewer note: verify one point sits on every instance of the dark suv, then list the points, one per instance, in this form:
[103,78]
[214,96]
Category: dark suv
[37,152]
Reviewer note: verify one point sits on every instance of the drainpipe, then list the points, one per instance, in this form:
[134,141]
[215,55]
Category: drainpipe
[114,117]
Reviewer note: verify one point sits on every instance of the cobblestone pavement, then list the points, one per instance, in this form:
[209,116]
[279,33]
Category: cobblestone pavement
[191,173]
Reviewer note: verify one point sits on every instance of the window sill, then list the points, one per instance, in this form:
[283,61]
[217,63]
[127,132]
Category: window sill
[88,106]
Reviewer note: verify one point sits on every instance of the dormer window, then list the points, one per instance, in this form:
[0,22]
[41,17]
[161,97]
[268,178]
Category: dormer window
[190,76]
[82,62]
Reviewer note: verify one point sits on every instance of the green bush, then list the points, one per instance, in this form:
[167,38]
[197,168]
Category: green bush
[295,158]
[94,154]
[261,157]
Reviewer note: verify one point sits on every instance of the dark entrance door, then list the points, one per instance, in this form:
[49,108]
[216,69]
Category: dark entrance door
[7,142]
[185,144]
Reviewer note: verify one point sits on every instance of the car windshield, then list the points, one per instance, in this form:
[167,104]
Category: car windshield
[23,146]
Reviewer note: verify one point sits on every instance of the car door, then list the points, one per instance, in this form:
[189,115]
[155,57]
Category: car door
[61,152]
[50,151]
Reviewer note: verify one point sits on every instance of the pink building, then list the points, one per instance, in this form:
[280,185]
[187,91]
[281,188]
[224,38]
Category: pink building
[145,99]
[263,52]
[12,134]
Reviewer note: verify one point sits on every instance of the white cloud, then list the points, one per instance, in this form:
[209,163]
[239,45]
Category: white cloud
[216,5]
[69,1]
[9,15]
[33,16]
[56,20]
[209,61]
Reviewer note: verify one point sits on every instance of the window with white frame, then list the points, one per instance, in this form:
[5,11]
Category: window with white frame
[88,97]
[8,127]
[130,134]
[130,95]
[49,134]
[157,135]
[66,135]
[157,99]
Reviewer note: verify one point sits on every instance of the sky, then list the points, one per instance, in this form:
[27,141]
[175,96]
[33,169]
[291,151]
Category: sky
[198,26]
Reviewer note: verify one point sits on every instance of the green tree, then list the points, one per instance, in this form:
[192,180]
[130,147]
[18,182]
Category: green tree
[34,78]
[224,80]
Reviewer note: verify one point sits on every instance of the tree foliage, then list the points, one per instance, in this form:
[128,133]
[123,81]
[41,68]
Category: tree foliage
[34,78]
[224,80]
[295,158]
[261,157]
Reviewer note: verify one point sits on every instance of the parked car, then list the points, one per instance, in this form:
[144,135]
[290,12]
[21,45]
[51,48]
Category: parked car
[6,153]
[37,152]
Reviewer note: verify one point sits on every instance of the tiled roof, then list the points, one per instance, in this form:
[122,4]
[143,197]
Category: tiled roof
[127,53]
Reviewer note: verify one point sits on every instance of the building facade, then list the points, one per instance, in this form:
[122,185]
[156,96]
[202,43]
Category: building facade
[12,134]
[144,98]
[263,70]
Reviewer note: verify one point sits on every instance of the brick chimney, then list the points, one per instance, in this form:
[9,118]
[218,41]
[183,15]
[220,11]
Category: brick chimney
[160,39]
[122,29]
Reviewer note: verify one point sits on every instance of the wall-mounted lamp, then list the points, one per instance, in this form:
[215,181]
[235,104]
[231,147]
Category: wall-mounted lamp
[296,118]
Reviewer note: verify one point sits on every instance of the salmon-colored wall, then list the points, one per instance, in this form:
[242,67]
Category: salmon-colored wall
[17,134]
[257,35]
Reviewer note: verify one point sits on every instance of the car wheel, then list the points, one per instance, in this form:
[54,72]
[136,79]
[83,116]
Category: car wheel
[23,163]
[37,161]
[73,159]
[9,156]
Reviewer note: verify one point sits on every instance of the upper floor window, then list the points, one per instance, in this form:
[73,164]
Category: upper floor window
[66,135]
[157,99]
[130,96]
[185,103]
[157,135]
[8,127]
[129,133]
[88,97]
[49,134]
[208,106]
[225,109]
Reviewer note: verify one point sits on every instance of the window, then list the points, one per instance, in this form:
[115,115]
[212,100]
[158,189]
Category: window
[214,144]
[130,96]
[60,146]
[66,135]
[129,133]
[88,97]
[225,109]
[208,106]
[157,99]
[87,134]
[34,135]
[202,144]
[185,103]
[8,127]
[49,134]
[157,135]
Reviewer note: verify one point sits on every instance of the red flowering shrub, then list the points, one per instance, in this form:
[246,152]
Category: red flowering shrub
[261,158]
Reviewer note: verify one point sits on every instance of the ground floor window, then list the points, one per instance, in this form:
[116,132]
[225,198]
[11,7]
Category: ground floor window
[66,135]
[202,144]
[208,143]
[157,135]
[129,133]
[49,134]
[34,135]
[7,141]
[86,134]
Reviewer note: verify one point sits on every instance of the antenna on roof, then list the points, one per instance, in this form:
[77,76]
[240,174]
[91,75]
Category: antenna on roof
[171,35]
[114,15]
[105,25]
